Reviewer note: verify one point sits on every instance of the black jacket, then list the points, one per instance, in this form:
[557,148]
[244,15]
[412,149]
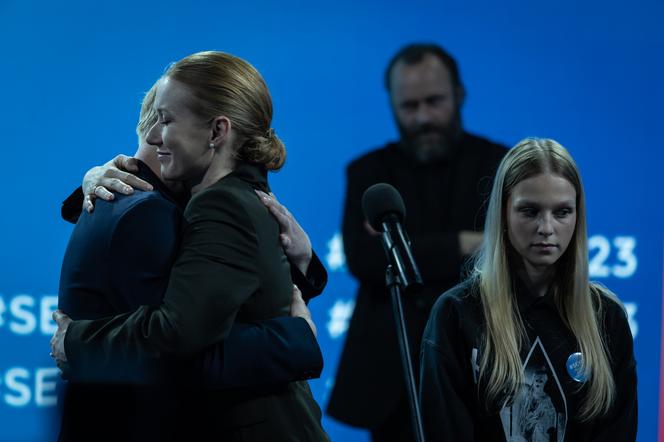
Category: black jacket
[441,198]
[547,405]
[118,259]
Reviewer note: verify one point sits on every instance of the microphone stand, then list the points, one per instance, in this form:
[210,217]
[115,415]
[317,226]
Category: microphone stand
[395,284]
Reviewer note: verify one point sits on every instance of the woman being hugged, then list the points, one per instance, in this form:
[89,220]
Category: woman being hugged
[527,348]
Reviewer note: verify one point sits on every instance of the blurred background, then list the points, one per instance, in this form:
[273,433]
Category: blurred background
[588,74]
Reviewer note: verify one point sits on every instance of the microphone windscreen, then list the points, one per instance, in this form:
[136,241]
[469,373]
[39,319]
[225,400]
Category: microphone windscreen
[380,200]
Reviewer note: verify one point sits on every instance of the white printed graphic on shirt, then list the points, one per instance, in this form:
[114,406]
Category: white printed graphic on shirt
[538,413]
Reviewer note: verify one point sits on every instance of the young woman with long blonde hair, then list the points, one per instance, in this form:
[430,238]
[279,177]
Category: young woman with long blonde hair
[527,348]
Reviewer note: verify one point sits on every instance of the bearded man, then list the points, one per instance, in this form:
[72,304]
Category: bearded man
[444,175]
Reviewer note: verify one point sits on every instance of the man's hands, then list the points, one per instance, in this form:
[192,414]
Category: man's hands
[299,309]
[294,239]
[115,175]
[58,339]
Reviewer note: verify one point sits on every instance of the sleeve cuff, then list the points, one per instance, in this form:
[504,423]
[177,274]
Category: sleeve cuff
[72,206]
[313,283]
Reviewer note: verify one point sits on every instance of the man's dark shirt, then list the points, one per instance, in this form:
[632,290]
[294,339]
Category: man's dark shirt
[442,198]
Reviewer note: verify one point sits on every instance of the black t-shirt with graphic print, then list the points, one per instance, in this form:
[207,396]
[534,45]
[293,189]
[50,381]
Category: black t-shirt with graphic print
[547,405]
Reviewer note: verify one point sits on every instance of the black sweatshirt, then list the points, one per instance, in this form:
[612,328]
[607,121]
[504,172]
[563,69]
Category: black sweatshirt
[547,405]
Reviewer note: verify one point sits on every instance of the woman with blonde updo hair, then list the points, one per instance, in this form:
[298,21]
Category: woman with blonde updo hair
[222,84]
[527,348]
[213,133]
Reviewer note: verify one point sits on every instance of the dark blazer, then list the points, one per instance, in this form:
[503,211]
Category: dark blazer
[230,266]
[442,198]
[118,259]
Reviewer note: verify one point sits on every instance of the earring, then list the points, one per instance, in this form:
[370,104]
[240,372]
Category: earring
[211,145]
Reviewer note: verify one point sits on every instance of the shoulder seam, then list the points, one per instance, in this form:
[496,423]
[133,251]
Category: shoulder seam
[236,201]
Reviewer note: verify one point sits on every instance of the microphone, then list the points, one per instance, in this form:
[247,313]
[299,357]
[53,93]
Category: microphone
[385,211]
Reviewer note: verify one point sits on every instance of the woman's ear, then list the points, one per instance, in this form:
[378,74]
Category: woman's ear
[221,129]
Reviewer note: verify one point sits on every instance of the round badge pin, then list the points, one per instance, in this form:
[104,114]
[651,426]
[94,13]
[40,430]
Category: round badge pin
[575,367]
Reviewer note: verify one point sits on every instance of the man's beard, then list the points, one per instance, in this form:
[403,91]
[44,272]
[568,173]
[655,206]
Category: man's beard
[431,142]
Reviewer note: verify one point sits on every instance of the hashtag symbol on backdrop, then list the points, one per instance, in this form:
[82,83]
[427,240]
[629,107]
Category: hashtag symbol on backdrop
[340,314]
[335,258]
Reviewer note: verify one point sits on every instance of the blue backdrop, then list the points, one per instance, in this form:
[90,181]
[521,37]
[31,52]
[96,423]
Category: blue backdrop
[73,73]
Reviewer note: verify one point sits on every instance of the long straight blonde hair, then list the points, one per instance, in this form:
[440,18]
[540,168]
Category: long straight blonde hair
[578,302]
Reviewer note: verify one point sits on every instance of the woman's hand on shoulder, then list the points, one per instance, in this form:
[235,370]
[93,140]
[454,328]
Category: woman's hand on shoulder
[294,239]
[114,176]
